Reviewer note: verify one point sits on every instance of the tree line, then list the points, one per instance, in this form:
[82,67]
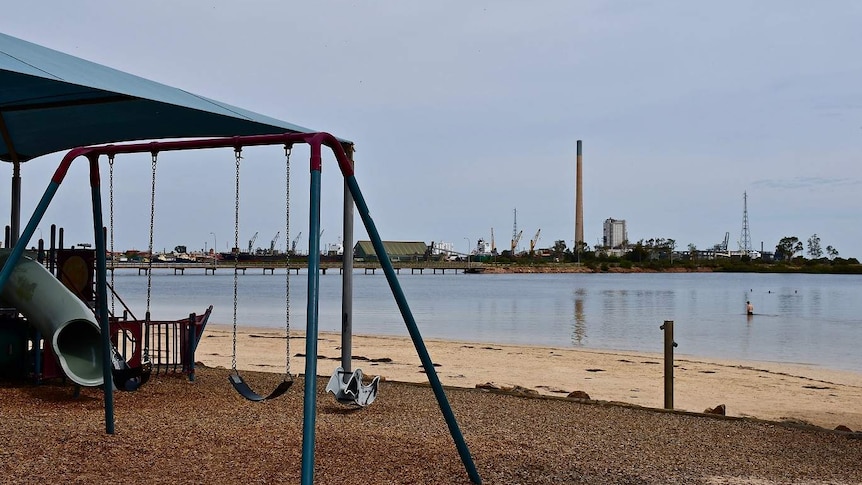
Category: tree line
[661,253]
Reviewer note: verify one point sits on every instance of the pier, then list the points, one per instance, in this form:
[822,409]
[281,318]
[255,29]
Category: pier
[269,267]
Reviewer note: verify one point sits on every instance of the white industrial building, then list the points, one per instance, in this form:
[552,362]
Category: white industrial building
[440,247]
[614,234]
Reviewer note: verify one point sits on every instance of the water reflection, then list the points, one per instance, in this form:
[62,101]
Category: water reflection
[580,327]
[816,301]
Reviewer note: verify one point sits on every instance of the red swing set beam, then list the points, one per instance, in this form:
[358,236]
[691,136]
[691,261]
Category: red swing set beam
[314,140]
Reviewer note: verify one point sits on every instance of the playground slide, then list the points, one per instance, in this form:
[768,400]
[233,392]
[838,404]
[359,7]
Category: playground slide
[64,320]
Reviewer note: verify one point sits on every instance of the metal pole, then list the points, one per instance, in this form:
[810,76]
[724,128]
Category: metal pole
[52,252]
[102,294]
[16,202]
[669,344]
[309,401]
[192,343]
[347,278]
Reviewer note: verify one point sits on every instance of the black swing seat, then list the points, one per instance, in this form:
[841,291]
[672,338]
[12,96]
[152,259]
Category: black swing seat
[128,378]
[245,391]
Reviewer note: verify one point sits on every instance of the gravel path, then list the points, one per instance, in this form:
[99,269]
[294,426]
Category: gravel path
[173,431]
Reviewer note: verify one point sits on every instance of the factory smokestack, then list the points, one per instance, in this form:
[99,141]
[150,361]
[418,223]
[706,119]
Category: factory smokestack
[579,201]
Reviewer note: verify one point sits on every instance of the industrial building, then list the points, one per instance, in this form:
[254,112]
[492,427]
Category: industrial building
[397,250]
[614,234]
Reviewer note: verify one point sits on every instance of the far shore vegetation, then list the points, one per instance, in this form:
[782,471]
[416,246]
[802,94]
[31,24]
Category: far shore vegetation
[660,255]
[651,255]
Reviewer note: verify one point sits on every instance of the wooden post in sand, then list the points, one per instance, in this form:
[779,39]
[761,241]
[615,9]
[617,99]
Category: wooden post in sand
[669,344]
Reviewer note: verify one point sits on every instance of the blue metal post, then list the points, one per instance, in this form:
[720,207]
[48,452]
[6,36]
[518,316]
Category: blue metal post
[102,294]
[309,411]
[421,350]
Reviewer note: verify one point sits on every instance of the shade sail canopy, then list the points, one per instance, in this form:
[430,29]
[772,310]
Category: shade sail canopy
[51,101]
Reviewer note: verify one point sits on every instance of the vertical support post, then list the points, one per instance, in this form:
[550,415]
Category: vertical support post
[102,293]
[15,219]
[669,344]
[192,343]
[347,278]
[309,407]
[52,251]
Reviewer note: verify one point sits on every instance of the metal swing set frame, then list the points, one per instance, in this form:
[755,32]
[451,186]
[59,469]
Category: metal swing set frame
[352,195]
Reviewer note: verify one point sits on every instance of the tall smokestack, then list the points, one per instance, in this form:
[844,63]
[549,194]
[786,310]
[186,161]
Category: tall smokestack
[579,201]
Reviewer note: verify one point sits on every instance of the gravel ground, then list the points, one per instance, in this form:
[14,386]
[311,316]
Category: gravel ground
[173,431]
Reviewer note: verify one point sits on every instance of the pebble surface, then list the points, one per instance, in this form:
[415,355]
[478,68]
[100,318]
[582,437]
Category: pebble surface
[175,431]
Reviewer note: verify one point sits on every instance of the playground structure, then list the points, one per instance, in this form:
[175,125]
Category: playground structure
[345,383]
[69,327]
[58,336]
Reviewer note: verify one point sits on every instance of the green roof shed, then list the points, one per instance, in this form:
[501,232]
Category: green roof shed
[397,250]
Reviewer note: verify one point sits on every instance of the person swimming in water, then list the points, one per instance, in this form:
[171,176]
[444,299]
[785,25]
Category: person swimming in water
[749,308]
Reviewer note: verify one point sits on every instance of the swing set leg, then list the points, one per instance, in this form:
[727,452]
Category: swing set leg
[309,403]
[413,329]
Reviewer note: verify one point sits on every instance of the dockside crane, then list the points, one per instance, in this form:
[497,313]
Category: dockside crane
[516,235]
[293,244]
[272,243]
[534,241]
[722,246]
[251,242]
[516,240]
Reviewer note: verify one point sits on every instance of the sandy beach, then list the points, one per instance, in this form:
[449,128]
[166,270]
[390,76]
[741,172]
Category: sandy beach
[765,390]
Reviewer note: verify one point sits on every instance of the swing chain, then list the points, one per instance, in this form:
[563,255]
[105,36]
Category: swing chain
[146,355]
[238,157]
[111,210]
[287,150]
[152,224]
[288,379]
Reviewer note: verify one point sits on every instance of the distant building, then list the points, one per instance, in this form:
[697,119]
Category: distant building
[614,234]
[397,250]
[444,248]
[483,248]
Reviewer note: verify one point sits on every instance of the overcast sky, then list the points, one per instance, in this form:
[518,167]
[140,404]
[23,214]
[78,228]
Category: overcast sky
[464,111]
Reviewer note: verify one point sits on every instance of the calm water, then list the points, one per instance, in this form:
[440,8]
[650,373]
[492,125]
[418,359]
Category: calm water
[815,319]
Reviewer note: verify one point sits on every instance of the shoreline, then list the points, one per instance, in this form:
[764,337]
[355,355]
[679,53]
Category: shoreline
[773,391]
